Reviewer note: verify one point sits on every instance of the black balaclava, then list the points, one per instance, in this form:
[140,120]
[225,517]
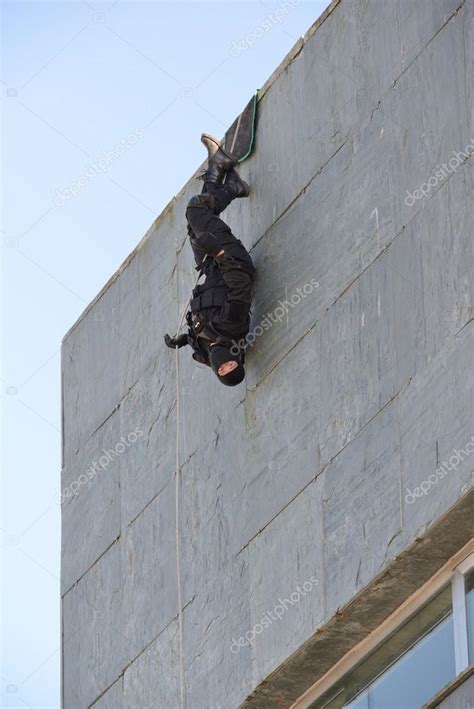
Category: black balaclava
[217,356]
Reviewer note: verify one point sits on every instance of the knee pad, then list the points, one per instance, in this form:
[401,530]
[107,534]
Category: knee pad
[202,200]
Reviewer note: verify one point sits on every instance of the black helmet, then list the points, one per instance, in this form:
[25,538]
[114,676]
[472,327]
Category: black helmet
[218,354]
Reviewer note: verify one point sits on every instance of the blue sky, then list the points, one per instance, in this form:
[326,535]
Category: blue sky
[129,86]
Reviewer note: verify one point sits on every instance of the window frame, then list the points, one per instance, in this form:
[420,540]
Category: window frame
[454,573]
[458,586]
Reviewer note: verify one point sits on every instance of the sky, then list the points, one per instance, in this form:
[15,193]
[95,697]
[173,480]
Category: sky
[103,104]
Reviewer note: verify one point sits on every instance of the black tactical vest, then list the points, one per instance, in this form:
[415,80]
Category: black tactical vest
[211,294]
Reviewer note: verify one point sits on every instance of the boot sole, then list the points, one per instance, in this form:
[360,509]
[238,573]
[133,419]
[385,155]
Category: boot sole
[227,153]
[207,136]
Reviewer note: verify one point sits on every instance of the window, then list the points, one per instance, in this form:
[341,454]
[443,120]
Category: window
[421,648]
[469,582]
[410,666]
[417,675]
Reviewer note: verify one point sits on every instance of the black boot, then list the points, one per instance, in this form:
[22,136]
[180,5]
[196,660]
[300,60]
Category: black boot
[219,163]
[233,182]
[235,185]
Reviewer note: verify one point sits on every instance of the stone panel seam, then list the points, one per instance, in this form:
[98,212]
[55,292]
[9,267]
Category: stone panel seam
[428,43]
[399,428]
[132,661]
[117,538]
[310,482]
[276,364]
[79,578]
[150,501]
[118,679]
[118,405]
[467,87]
[299,194]
[466,324]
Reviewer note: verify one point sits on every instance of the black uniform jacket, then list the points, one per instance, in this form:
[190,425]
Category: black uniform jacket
[220,306]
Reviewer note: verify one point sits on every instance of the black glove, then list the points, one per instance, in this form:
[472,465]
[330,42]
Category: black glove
[208,243]
[174,342]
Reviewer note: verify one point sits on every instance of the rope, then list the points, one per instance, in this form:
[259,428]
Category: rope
[178,552]
[177,516]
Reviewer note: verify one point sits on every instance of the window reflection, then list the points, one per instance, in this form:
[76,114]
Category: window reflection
[418,675]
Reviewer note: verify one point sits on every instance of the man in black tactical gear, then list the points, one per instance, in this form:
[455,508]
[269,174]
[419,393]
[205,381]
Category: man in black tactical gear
[219,314]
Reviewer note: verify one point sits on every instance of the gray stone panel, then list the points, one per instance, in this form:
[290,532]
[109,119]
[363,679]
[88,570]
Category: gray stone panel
[147,466]
[207,525]
[90,502]
[217,676]
[436,431]
[94,648]
[361,509]
[468,10]
[148,559]
[287,581]
[112,698]
[153,679]
[358,367]
[430,265]
[430,131]
[91,389]
[282,424]
[147,297]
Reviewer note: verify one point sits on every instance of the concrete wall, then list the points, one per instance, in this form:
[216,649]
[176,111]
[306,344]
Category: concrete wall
[359,393]
[460,697]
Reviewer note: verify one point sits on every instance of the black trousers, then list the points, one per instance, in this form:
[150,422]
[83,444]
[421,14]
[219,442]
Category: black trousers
[202,219]
[234,270]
